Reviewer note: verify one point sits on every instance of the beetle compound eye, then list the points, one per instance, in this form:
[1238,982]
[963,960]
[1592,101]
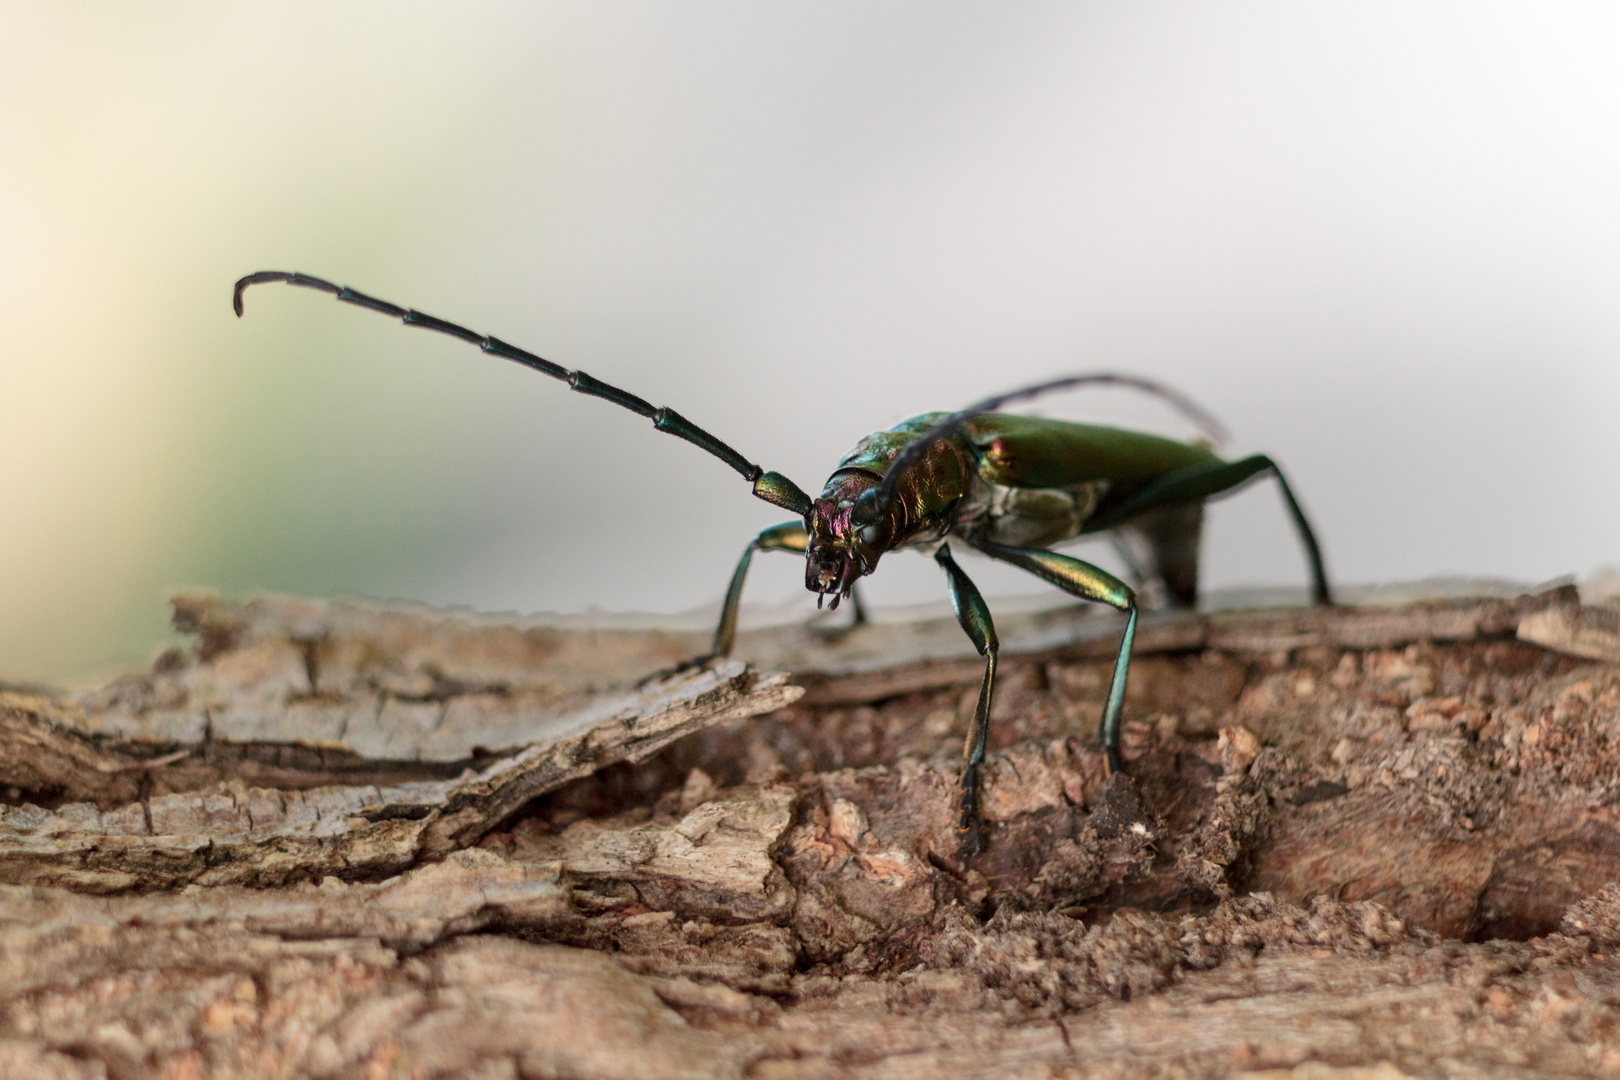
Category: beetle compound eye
[871,535]
[865,511]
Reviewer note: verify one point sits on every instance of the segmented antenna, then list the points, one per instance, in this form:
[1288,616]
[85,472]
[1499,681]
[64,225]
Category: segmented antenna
[875,503]
[770,486]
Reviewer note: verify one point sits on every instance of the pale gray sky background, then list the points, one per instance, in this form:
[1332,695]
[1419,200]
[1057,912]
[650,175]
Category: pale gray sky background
[1381,241]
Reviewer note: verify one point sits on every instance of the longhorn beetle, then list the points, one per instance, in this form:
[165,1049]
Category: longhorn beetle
[1009,486]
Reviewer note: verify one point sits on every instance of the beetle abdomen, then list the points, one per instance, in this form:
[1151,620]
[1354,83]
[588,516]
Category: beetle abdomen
[1027,517]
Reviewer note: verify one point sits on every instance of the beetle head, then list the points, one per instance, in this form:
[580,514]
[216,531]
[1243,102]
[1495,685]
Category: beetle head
[841,550]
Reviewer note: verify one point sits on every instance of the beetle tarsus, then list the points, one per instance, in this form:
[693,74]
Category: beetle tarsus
[970,825]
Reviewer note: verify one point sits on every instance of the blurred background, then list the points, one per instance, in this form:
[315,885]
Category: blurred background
[1381,241]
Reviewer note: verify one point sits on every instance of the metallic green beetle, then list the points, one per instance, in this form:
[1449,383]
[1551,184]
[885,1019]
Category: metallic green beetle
[1009,486]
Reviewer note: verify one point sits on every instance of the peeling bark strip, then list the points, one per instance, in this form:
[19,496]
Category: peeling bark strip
[258,836]
[42,754]
[467,892]
[352,683]
[715,862]
[1592,632]
[383,684]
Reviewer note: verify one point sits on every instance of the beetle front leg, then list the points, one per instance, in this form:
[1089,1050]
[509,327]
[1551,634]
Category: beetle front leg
[1089,583]
[788,536]
[974,616]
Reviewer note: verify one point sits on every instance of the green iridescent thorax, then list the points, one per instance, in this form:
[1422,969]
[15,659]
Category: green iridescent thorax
[927,494]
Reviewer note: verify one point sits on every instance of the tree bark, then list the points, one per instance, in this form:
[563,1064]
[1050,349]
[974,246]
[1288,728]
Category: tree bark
[340,841]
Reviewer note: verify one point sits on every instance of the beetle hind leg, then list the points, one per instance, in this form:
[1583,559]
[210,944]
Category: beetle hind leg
[1201,482]
[1160,547]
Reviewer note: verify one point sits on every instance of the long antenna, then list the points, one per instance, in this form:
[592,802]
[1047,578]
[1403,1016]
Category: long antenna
[872,506]
[770,486]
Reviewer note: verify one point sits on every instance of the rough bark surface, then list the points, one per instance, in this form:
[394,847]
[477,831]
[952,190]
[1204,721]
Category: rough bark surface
[340,841]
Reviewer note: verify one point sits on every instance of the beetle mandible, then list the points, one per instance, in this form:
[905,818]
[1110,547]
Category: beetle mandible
[1008,486]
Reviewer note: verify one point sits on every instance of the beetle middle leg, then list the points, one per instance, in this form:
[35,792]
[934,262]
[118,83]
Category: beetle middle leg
[974,615]
[1089,583]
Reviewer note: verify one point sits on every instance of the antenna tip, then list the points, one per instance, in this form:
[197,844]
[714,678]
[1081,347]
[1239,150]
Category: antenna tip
[258,277]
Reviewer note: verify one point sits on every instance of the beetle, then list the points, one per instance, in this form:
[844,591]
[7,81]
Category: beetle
[1009,486]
